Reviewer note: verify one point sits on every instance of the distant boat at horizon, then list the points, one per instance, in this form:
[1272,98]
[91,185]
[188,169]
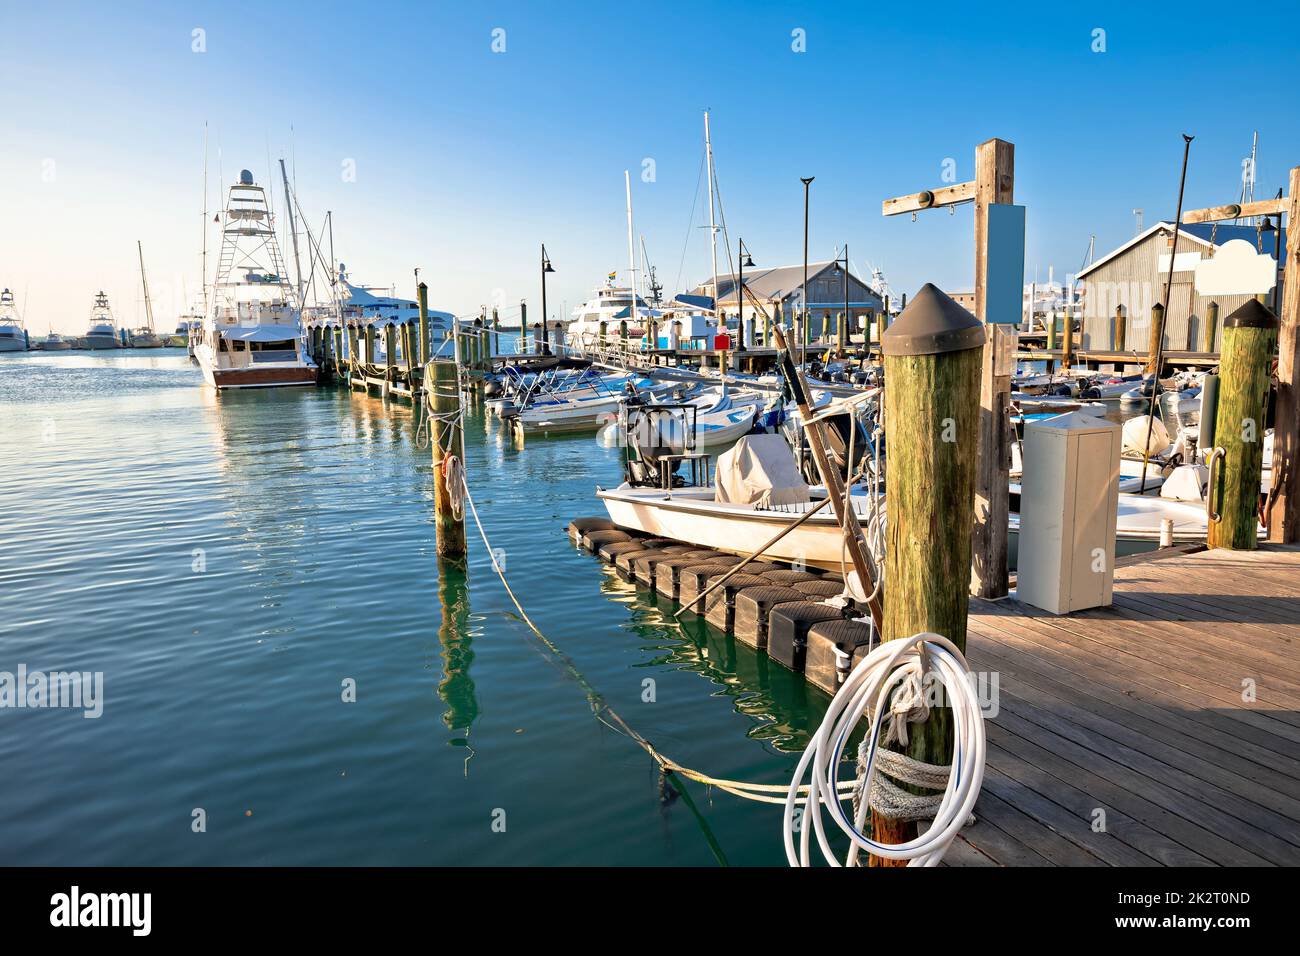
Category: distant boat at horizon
[13,337]
[103,333]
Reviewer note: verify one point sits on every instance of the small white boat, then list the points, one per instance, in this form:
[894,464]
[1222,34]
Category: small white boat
[54,342]
[587,414]
[13,337]
[102,333]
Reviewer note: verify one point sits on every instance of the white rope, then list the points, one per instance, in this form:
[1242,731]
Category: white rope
[453,473]
[864,692]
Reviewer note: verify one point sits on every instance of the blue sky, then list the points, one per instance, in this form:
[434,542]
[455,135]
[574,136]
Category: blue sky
[467,158]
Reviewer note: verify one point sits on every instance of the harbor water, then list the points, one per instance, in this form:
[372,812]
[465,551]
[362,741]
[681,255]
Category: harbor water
[234,565]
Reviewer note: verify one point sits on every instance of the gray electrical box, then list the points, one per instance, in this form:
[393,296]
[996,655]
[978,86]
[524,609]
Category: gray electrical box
[1068,503]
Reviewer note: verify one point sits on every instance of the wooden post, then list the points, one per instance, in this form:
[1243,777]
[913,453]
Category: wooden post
[1119,328]
[390,355]
[1154,337]
[1067,347]
[841,334]
[767,325]
[523,328]
[1051,331]
[1249,336]
[422,294]
[1284,497]
[408,351]
[496,333]
[933,355]
[1210,332]
[444,392]
[994,184]
[368,356]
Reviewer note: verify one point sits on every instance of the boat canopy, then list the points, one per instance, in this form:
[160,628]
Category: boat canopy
[759,471]
[261,333]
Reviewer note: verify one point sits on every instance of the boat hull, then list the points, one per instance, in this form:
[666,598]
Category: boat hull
[12,345]
[101,342]
[223,379]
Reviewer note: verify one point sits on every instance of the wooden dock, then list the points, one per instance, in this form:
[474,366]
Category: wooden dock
[1142,711]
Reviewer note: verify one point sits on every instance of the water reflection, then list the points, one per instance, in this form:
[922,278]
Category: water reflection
[783,708]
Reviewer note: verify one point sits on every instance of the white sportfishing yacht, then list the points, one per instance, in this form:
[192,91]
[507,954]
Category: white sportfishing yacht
[13,338]
[102,333]
[253,336]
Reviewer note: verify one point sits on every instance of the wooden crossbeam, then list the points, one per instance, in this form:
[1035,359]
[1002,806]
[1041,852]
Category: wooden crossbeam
[1264,207]
[929,199]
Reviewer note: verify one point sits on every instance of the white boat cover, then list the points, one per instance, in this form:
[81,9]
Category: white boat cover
[759,470]
[1135,435]
[260,333]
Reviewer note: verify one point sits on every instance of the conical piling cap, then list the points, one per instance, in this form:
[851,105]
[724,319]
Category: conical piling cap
[1253,315]
[932,324]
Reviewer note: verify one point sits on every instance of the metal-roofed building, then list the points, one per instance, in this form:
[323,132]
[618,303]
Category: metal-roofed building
[780,288]
[1132,278]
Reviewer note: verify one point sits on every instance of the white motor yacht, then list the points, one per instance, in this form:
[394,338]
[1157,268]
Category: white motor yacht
[253,336]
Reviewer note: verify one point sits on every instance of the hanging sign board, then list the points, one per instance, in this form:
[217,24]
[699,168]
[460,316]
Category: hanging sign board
[1004,294]
[1236,269]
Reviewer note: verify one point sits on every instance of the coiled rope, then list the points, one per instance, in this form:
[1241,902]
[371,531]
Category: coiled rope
[865,691]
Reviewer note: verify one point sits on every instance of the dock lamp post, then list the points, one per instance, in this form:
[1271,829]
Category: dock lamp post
[743,258]
[546,335]
[803,293]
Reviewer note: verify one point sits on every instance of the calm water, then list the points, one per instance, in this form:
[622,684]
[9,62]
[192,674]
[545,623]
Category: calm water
[229,563]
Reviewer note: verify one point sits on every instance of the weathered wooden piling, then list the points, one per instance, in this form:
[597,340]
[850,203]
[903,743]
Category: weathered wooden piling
[1249,337]
[933,356]
[444,432]
[523,328]
[1154,338]
[390,355]
[1119,328]
[1067,346]
[1210,330]
[1051,331]
[422,294]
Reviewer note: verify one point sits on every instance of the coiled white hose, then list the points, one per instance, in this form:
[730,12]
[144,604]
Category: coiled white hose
[866,691]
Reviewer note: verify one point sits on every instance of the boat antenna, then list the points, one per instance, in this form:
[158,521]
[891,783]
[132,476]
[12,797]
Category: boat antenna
[1160,342]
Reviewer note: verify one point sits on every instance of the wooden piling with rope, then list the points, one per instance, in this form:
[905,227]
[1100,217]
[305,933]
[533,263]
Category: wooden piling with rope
[444,440]
[933,355]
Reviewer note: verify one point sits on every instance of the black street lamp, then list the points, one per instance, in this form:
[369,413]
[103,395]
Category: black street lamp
[743,258]
[803,355]
[546,334]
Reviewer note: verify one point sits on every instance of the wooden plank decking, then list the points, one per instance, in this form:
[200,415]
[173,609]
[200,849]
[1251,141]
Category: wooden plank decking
[1137,710]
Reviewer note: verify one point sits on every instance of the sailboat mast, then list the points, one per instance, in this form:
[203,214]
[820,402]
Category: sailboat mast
[713,226]
[293,232]
[144,279]
[204,276]
[631,245]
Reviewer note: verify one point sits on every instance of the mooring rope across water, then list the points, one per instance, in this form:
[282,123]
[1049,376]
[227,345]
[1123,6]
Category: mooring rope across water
[864,692]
